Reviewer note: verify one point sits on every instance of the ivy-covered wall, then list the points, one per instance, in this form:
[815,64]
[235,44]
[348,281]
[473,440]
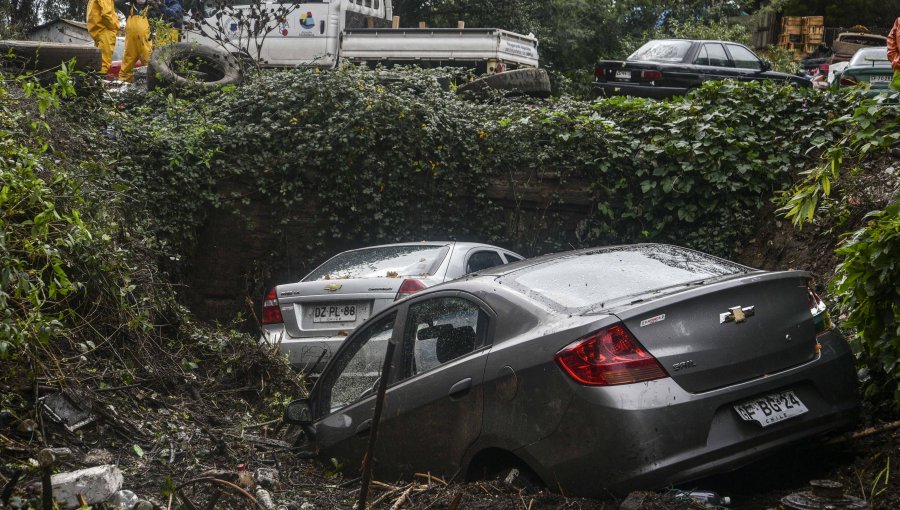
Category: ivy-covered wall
[258,184]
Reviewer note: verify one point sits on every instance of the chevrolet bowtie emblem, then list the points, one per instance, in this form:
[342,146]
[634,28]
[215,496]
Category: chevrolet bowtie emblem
[736,314]
[333,286]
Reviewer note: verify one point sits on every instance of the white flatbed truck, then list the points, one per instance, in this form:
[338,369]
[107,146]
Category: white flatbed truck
[324,33]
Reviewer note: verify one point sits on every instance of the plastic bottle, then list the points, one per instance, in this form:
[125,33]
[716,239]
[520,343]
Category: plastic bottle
[264,498]
[709,499]
[123,500]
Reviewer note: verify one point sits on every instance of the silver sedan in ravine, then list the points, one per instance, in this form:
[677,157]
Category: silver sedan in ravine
[594,371]
[311,318]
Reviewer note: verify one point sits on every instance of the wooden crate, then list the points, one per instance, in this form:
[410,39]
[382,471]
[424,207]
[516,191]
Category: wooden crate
[814,38]
[813,21]
[809,48]
[795,39]
[791,20]
[820,31]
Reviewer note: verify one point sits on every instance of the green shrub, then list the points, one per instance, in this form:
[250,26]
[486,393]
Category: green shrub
[867,280]
[868,284]
[68,277]
[379,161]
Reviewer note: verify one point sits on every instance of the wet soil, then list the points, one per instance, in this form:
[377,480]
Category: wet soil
[185,430]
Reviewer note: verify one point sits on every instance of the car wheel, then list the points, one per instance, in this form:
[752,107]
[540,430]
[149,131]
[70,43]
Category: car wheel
[40,56]
[528,82]
[192,66]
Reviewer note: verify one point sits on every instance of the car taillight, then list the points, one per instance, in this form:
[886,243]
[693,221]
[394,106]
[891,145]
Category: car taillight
[408,287]
[821,317]
[608,357]
[848,81]
[651,75]
[271,312]
[599,72]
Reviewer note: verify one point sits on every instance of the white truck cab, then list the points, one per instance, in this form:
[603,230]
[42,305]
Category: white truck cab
[320,33]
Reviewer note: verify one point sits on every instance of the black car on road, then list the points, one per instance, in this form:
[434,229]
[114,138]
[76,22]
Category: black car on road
[669,67]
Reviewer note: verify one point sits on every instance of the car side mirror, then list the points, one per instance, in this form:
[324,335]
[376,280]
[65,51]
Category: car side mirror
[298,412]
[766,66]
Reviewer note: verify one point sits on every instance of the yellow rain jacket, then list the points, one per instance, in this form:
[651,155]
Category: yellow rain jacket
[137,43]
[103,25]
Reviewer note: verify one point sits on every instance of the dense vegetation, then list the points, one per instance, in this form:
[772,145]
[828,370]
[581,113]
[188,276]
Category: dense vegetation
[868,277]
[365,160]
[358,158]
[372,155]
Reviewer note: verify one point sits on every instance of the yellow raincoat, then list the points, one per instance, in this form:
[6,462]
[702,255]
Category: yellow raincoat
[137,43]
[103,25]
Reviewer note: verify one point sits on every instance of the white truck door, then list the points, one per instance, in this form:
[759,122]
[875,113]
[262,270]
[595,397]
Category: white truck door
[306,36]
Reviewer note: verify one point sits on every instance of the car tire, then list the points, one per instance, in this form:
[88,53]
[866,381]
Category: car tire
[41,56]
[528,82]
[192,66]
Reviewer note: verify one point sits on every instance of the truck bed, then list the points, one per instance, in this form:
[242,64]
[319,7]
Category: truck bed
[439,45]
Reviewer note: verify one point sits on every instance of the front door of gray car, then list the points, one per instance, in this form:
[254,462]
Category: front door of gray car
[345,395]
[434,402]
[434,414]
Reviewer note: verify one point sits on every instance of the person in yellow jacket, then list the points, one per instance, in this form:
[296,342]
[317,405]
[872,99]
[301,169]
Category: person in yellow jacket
[138,45]
[103,25]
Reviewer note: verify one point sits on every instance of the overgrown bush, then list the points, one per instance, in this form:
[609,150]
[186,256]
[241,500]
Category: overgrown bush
[852,178]
[868,284]
[368,160]
[72,279]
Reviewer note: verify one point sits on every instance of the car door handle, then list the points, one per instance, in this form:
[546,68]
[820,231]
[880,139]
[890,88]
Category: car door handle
[364,428]
[460,389]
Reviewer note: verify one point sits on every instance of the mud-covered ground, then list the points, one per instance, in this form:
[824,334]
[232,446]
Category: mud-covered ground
[178,430]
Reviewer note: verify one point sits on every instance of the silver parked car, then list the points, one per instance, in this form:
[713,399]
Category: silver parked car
[311,318]
[598,370]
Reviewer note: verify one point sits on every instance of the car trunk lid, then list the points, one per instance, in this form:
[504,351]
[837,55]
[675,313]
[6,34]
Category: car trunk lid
[728,331]
[328,307]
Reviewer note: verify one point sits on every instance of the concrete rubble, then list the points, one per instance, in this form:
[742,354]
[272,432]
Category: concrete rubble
[96,484]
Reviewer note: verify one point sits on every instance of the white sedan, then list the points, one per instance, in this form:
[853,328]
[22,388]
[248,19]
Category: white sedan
[310,319]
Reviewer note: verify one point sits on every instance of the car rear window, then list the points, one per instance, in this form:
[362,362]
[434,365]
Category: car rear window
[381,261]
[592,279]
[870,57]
[661,51]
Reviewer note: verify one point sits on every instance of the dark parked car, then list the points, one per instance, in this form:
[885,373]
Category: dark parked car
[598,370]
[670,67]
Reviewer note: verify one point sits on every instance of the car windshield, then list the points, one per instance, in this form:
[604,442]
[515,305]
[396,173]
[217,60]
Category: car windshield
[593,279]
[870,57]
[661,51]
[382,261]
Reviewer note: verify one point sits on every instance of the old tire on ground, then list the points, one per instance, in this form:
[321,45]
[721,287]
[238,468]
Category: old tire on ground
[41,56]
[529,82]
[192,66]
